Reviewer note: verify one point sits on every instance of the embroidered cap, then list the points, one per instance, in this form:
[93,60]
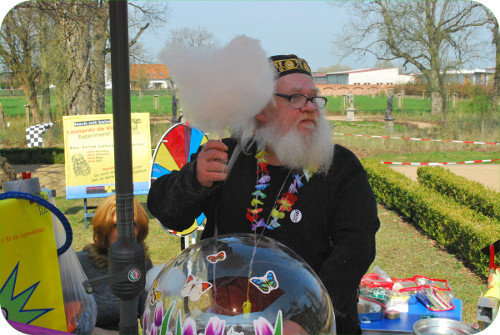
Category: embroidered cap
[286,64]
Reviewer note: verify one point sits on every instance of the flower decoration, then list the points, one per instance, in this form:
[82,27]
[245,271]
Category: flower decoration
[215,326]
[263,327]
[158,315]
[285,203]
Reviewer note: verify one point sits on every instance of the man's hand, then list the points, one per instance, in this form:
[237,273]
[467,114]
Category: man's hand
[211,164]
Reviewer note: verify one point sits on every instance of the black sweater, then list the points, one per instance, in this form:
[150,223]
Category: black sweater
[335,236]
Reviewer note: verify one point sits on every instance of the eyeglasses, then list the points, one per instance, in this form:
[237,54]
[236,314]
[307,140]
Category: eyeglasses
[300,101]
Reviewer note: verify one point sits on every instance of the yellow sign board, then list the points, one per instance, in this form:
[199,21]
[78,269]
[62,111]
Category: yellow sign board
[89,155]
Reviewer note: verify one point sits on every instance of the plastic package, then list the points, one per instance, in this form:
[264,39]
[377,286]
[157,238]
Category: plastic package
[373,303]
[435,294]
[80,308]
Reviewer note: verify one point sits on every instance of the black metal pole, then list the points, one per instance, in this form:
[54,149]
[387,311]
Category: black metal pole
[126,253]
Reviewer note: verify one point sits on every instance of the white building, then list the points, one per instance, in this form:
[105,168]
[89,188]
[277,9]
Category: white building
[388,76]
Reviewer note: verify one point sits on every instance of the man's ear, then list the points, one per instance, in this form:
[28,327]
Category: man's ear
[262,115]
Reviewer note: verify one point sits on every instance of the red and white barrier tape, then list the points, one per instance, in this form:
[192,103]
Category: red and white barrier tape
[419,139]
[444,163]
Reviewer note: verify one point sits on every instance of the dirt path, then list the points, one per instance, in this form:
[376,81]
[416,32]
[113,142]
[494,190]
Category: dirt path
[418,124]
[486,174]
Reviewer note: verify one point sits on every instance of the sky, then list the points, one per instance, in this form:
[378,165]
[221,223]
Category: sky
[300,27]
[306,28]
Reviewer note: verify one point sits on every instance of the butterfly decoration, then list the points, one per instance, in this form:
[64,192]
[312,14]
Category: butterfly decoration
[217,257]
[267,283]
[155,295]
[194,288]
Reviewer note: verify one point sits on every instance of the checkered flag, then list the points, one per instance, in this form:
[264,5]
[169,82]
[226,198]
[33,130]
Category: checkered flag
[34,134]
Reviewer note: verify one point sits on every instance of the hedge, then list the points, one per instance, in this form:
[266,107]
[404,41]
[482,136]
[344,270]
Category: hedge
[469,193]
[36,155]
[457,228]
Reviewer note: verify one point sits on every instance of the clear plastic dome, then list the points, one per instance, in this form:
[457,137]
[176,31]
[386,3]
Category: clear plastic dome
[238,284]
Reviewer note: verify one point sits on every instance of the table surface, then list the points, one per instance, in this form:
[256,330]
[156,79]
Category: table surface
[404,324]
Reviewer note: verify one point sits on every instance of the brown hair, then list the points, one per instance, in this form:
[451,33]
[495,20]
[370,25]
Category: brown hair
[102,225]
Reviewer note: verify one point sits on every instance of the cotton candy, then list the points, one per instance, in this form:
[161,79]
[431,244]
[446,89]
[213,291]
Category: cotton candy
[221,87]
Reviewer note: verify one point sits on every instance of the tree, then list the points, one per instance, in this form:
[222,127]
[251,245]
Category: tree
[143,80]
[334,68]
[432,36]
[66,43]
[383,64]
[493,26]
[18,52]
[188,37]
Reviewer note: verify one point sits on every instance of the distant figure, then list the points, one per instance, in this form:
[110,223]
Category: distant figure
[174,108]
[388,111]
[351,101]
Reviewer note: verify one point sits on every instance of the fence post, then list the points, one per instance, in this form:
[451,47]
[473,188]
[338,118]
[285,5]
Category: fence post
[156,102]
[27,110]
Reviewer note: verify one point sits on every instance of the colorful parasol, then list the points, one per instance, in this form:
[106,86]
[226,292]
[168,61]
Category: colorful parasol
[173,151]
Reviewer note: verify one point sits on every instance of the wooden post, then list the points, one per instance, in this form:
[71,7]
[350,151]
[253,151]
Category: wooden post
[2,113]
[402,98]
[156,102]
[27,109]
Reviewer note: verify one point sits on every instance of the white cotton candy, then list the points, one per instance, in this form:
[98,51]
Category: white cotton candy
[222,87]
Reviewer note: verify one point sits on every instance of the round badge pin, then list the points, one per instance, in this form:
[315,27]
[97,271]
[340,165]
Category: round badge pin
[296,216]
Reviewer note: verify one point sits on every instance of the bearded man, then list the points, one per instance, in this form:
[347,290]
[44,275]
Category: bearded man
[286,180]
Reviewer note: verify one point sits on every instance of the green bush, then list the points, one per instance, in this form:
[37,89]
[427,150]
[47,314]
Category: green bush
[34,155]
[454,226]
[469,193]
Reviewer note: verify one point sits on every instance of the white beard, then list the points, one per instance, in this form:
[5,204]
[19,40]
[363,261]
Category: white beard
[297,151]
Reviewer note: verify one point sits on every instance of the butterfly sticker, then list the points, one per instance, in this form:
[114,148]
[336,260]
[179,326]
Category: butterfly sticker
[155,295]
[194,288]
[217,257]
[267,283]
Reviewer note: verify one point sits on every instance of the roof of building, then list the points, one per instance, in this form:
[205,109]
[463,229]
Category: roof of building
[361,70]
[152,71]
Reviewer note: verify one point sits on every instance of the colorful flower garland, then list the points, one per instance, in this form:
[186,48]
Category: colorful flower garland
[286,201]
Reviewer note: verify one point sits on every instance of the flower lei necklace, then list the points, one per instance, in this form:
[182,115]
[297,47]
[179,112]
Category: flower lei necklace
[285,203]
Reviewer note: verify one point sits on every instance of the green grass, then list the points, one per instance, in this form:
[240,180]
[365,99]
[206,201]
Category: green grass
[15,105]
[403,252]
[417,151]
[162,245]
[438,157]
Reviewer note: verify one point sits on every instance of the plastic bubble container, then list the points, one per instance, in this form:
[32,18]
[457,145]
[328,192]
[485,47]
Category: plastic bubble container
[238,284]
